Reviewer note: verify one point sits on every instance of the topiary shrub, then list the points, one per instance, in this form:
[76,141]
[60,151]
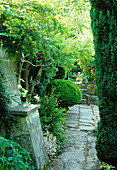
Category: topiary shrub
[104,26]
[69,93]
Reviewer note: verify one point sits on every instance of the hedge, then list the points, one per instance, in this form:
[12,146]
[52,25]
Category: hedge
[104,26]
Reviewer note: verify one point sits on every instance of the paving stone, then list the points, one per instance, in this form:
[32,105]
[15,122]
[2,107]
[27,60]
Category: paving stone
[84,106]
[71,117]
[79,153]
[73,125]
[72,111]
[73,165]
[96,113]
[72,154]
[92,166]
[86,128]
[87,117]
[86,113]
[84,124]
[86,121]
[85,110]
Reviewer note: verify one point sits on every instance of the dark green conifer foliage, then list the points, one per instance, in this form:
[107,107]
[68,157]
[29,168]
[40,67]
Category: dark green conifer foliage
[104,26]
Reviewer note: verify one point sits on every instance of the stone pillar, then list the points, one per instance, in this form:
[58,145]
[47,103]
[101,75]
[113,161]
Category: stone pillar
[28,133]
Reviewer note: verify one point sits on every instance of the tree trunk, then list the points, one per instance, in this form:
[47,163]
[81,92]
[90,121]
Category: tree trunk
[19,72]
[36,81]
[26,75]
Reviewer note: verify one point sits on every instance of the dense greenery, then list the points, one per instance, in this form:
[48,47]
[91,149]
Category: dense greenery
[42,34]
[52,119]
[69,93]
[104,25]
[13,156]
[60,74]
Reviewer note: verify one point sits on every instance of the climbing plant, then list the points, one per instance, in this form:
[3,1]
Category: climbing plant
[104,26]
[42,34]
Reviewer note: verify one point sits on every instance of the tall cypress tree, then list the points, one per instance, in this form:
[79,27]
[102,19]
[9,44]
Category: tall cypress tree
[104,26]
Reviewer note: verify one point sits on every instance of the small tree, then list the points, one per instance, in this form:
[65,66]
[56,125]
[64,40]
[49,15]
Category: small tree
[104,25]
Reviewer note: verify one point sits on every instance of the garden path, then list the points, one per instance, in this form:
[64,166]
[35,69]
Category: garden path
[79,153]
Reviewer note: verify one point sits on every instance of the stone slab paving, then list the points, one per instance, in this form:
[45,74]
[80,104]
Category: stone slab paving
[79,153]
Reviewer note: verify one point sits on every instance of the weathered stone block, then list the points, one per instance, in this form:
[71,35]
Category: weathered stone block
[28,133]
[91,88]
[92,100]
[9,81]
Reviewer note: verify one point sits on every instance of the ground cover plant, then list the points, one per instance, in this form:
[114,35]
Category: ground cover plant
[13,156]
[52,119]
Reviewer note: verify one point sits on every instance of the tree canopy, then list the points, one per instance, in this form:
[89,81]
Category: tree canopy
[42,34]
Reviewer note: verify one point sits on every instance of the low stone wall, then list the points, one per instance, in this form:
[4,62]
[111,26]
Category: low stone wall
[92,99]
[9,80]
[89,93]
[28,133]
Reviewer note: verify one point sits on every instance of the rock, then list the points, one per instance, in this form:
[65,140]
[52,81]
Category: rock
[85,81]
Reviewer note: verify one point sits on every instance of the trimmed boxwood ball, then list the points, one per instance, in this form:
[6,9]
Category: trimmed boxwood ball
[69,92]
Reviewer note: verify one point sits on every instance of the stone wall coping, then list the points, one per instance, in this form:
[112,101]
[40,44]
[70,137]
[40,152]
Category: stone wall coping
[25,109]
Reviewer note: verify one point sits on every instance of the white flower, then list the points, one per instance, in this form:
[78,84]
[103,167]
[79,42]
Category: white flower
[50,143]
[37,97]
[19,86]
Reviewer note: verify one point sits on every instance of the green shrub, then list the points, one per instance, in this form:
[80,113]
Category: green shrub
[104,26]
[69,93]
[13,156]
[52,118]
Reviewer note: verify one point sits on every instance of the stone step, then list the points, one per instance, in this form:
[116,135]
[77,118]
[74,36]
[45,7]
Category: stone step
[92,100]
[82,86]
[84,96]
[84,91]
[84,101]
